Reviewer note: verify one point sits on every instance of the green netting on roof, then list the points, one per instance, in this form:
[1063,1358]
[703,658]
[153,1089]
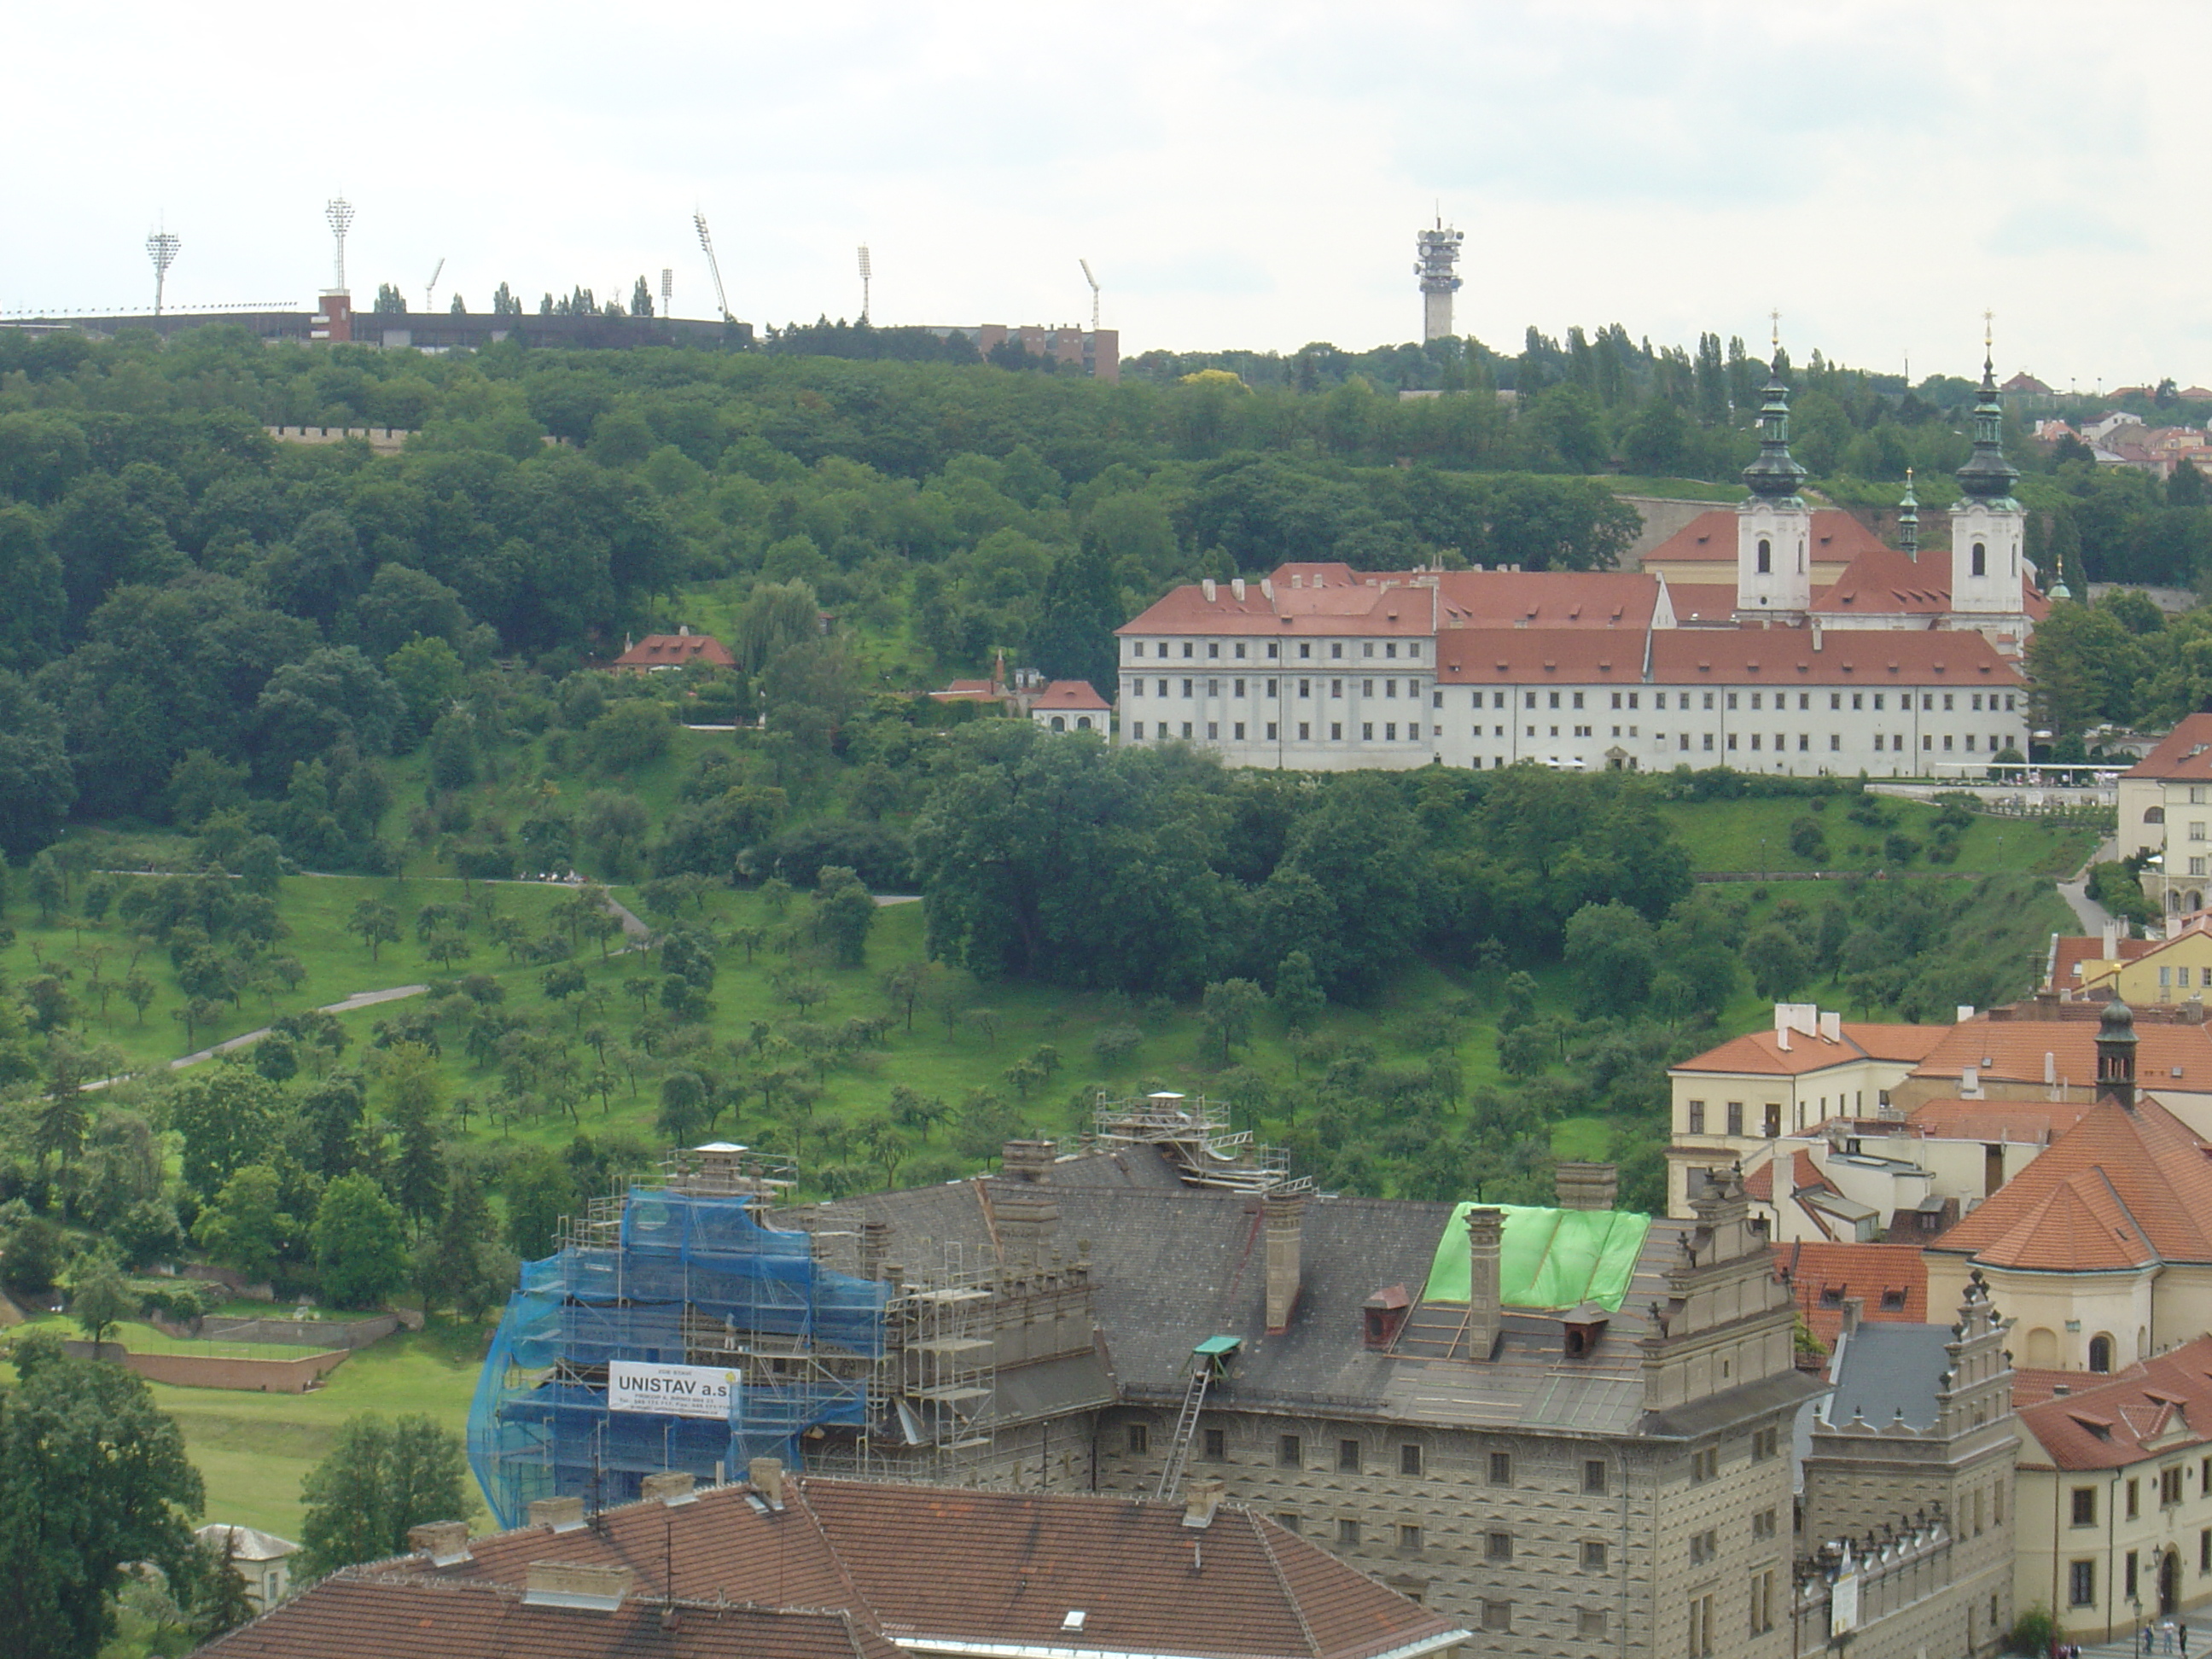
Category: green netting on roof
[1546,1258]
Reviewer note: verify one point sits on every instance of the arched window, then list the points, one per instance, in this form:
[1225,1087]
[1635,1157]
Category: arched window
[1981,559]
[2154,815]
[1057,724]
[1766,556]
[2100,1353]
[1083,722]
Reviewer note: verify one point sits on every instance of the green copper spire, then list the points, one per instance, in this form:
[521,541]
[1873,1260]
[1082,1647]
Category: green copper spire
[1775,475]
[1908,519]
[1987,476]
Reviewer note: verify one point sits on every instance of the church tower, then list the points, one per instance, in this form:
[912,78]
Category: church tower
[1988,526]
[1773,526]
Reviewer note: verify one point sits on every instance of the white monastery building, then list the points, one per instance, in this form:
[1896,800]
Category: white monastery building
[1887,669]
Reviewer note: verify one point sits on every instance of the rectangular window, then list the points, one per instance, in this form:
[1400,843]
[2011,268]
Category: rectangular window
[1593,1555]
[1213,650]
[1709,742]
[1762,1603]
[1305,731]
[1185,730]
[1390,688]
[1755,700]
[1501,1468]
[1877,702]
[1858,700]
[1347,1457]
[2081,1583]
[1217,1445]
[1367,650]
[1579,699]
[1764,1440]
[1240,651]
[1141,1439]
[2135,1499]
[1735,1117]
[1274,650]
[1237,730]
[1213,687]
[1497,1615]
[1697,1126]
[1835,700]
[1305,688]
[2131,1582]
[1705,1465]
[1367,731]
[1137,732]
[1348,1532]
[1187,686]
[1762,1524]
[1409,1539]
[1554,698]
[1978,702]
[1835,740]
[1305,651]
[1271,731]
[1498,1546]
[1414,651]
[1593,1475]
[1290,1451]
[1336,651]
[1701,1627]
[1409,1459]
[1703,1546]
[1336,688]
[1288,1521]
[1731,740]
[1391,650]
[1272,687]
[1336,732]
[1367,688]
[1616,700]
[1589,1623]
[2204,1550]
[1213,731]
[1731,699]
[1390,732]
[1437,699]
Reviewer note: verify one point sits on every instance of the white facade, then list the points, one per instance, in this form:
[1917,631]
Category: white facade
[1773,557]
[1986,540]
[1322,704]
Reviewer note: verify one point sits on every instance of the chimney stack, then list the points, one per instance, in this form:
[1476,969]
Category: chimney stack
[1200,1498]
[2111,941]
[445,1542]
[766,1474]
[1485,1231]
[1587,1185]
[1854,1311]
[1028,1215]
[558,1514]
[672,1487]
[1284,1214]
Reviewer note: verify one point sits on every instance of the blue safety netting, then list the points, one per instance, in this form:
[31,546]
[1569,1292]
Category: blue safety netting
[540,1426]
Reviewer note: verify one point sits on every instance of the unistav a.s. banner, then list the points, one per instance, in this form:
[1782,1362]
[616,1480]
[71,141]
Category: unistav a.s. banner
[669,1390]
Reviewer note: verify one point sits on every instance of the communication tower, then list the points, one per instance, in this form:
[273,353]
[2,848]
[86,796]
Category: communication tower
[162,248]
[866,278]
[1093,281]
[340,212]
[1439,250]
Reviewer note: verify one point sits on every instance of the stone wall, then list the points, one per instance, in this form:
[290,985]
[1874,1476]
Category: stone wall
[212,1371]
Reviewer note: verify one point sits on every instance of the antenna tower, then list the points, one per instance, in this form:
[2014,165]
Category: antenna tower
[162,248]
[667,288]
[340,212]
[431,288]
[1439,250]
[868,275]
[1093,281]
[714,267]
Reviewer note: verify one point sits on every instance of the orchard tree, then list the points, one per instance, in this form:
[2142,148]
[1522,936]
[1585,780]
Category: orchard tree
[376,923]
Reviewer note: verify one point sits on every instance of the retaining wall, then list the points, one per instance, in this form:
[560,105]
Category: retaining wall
[192,1370]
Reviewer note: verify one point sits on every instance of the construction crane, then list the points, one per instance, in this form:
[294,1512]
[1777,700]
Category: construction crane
[1093,281]
[431,288]
[714,266]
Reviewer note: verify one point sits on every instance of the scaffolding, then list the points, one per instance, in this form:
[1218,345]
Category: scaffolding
[1194,1134]
[824,1366]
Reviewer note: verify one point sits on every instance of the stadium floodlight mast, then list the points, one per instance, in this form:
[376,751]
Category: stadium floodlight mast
[867,277]
[714,265]
[667,288]
[340,212]
[1093,281]
[162,248]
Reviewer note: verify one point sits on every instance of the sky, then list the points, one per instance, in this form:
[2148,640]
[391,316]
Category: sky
[1238,176]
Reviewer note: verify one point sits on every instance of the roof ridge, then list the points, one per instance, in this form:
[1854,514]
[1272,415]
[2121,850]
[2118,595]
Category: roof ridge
[1282,1583]
[795,1491]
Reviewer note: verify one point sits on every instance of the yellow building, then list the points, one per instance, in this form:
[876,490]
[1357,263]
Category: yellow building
[2175,970]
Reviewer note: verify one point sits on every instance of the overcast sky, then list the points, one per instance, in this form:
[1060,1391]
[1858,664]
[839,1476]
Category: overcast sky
[1237,175]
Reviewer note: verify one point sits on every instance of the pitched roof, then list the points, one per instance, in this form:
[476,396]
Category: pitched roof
[674,650]
[2170,1055]
[2183,752]
[2029,1121]
[2152,1407]
[245,1543]
[382,1613]
[2122,1189]
[1316,600]
[1069,694]
[1882,581]
[1838,538]
[1761,1053]
[1889,1373]
[922,1564]
[1783,657]
[1892,1280]
[1702,602]
[2071,951]
[1352,608]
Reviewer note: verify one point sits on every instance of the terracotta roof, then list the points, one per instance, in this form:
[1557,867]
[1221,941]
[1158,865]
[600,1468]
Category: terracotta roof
[2169,1055]
[1069,694]
[674,650]
[1892,1280]
[2074,950]
[1882,581]
[2120,1189]
[1547,599]
[1838,538]
[364,1613]
[1761,1053]
[1873,658]
[2152,1407]
[2033,1122]
[2183,752]
[920,1562]
[1702,602]
[1352,609]
[1326,599]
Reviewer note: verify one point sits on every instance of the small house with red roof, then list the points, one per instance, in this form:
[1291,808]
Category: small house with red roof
[1070,706]
[657,653]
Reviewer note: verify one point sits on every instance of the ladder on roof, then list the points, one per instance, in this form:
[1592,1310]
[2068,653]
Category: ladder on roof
[1185,1429]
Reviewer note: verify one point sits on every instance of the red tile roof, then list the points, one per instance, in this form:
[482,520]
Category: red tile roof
[1882,581]
[919,1562]
[1822,1276]
[1068,694]
[1702,602]
[2074,950]
[2032,1121]
[1838,538]
[1329,599]
[2153,1408]
[365,1614]
[2171,1055]
[1761,1053]
[674,650]
[2122,1189]
[2183,752]
[1872,660]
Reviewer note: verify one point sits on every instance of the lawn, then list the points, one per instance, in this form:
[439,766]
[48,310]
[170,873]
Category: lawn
[1753,836]
[1675,489]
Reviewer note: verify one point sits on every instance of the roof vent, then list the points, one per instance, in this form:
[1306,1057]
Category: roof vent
[1072,1620]
[445,1542]
[573,1584]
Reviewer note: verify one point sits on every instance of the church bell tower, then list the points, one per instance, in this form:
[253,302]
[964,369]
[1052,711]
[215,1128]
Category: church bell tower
[1773,526]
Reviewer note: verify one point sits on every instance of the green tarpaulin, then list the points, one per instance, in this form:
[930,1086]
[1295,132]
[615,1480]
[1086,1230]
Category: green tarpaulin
[1553,1259]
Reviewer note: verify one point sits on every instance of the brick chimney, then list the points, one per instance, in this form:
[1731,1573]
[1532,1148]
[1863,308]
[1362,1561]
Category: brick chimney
[1200,1498]
[1485,1231]
[445,1542]
[558,1514]
[1021,1198]
[670,1487]
[1587,1185]
[766,1474]
[1284,1216]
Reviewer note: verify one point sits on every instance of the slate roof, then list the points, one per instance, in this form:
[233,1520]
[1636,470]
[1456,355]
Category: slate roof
[914,1564]
[1887,1370]
[2122,1189]
[365,1614]
[2155,1406]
